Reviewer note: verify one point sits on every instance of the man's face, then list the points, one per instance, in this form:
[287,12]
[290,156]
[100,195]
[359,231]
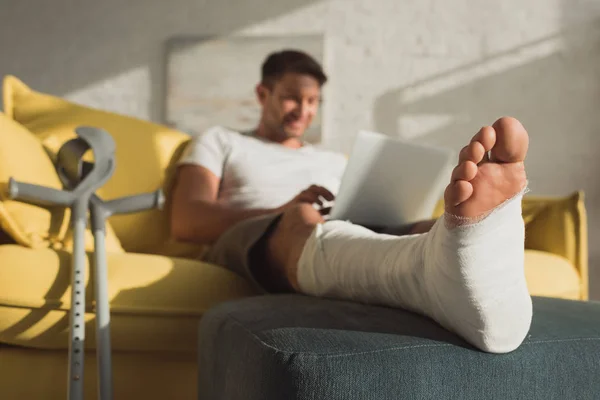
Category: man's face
[290,105]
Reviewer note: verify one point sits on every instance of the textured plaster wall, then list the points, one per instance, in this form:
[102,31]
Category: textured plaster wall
[433,71]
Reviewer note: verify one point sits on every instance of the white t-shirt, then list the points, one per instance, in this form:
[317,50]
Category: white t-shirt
[257,173]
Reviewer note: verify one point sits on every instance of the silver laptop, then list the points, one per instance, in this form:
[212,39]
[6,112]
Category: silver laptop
[390,182]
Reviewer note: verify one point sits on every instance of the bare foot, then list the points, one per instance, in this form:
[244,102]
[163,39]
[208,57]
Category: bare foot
[490,170]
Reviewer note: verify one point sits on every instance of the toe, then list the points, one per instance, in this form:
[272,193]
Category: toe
[457,192]
[474,151]
[512,141]
[465,171]
[486,136]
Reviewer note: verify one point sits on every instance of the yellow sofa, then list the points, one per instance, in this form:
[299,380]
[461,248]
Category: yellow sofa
[158,289]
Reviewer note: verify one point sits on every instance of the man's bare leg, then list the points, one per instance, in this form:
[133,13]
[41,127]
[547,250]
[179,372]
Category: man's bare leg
[284,246]
[349,261]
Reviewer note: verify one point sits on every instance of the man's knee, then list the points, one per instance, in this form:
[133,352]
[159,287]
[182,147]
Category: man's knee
[285,244]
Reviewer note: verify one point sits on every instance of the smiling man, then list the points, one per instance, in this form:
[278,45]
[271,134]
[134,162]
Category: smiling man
[227,176]
[290,94]
[252,197]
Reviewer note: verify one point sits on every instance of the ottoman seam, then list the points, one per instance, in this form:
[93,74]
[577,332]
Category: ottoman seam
[258,339]
[561,340]
[255,337]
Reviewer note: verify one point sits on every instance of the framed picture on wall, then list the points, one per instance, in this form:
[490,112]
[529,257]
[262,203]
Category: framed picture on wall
[211,80]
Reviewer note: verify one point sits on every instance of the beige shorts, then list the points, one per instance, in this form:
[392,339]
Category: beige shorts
[234,249]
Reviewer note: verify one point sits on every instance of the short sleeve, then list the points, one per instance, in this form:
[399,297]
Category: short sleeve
[209,150]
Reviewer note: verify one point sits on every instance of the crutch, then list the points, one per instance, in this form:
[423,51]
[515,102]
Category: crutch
[81,179]
[72,169]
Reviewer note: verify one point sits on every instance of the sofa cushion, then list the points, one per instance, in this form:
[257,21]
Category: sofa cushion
[297,347]
[136,375]
[146,154]
[550,275]
[155,301]
[23,158]
[558,225]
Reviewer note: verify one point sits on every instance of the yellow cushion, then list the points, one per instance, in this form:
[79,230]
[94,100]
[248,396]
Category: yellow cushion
[145,157]
[23,158]
[558,225]
[550,275]
[156,301]
[112,243]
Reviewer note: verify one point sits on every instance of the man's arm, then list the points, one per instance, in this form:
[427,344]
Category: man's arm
[196,214]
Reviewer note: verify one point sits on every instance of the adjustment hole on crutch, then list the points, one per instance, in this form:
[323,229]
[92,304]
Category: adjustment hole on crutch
[78,292]
[76,339]
[77,351]
[77,303]
[77,315]
[77,326]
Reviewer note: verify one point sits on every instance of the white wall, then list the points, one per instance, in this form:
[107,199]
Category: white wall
[432,70]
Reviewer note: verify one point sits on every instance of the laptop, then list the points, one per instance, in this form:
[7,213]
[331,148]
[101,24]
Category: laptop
[390,181]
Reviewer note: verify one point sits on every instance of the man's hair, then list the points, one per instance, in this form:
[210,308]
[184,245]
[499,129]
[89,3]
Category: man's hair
[279,63]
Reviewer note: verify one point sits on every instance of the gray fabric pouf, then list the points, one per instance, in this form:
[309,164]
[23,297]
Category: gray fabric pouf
[299,347]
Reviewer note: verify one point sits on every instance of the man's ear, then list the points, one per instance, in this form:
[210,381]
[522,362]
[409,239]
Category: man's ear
[261,93]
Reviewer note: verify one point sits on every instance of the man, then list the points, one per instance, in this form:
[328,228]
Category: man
[252,197]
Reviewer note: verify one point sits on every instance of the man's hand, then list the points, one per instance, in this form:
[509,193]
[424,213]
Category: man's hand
[313,195]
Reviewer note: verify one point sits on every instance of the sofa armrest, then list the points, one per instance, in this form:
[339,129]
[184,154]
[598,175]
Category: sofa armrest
[557,225]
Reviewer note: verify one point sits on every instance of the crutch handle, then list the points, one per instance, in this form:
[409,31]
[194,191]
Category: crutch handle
[136,203]
[39,195]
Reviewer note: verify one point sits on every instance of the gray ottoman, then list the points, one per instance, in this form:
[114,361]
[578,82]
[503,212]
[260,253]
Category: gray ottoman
[299,347]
